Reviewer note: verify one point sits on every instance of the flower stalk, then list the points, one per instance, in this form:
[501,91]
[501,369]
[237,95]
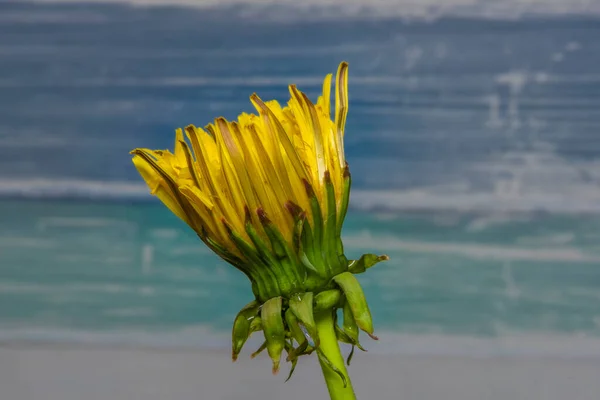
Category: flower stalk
[339,388]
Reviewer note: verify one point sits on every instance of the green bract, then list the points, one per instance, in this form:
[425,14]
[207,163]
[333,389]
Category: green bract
[312,275]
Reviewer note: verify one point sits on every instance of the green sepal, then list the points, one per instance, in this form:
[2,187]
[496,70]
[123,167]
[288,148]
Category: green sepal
[326,300]
[274,330]
[285,256]
[317,226]
[349,335]
[349,359]
[303,238]
[365,262]
[349,323]
[342,337]
[223,253]
[259,350]
[275,270]
[326,361]
[292,357]
[244,247]
[293,327]
[302,349]
[356,300]
[308,248]
[301,305]
[331,255]
[256,268]
[299,217]
[307,263]
[344,202]
[256,324]
[298,335]
[242,327]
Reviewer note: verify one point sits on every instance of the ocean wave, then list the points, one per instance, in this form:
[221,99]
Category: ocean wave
[547,253]
[40,188]
[457,198]
[423,9]
[423,199]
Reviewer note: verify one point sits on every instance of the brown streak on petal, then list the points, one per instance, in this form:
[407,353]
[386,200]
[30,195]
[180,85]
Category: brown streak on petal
[227,227]
[308,187]
[262,216]
[294,209]
[190,129]
[247,214]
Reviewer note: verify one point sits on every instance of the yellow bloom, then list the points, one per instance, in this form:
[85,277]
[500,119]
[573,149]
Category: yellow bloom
[269,193]
[260,161]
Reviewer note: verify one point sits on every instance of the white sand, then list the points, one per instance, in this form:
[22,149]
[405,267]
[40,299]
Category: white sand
[79,373]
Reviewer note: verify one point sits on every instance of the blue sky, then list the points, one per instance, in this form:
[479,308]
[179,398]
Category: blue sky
[474,111]
[422,9]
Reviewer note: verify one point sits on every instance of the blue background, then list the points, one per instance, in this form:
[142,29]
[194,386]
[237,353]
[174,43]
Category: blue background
[473,140]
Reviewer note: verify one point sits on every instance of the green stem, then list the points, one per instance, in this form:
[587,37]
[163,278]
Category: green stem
[330,348]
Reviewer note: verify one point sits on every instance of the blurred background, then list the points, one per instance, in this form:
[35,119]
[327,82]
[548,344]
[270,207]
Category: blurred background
[473,139]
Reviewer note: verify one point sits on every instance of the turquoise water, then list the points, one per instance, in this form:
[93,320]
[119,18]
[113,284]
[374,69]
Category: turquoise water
[133,267]
[472,136]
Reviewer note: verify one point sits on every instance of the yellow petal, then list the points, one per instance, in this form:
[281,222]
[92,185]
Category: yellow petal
[159,187]
[284,139]
[324,101]
[236,184]
[341,107]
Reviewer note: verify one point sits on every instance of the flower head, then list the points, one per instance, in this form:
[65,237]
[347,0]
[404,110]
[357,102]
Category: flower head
[268,193]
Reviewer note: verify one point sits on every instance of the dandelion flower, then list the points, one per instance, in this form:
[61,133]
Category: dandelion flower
[268,193]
